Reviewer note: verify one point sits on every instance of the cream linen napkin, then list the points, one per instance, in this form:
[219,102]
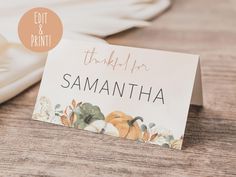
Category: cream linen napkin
[21,68]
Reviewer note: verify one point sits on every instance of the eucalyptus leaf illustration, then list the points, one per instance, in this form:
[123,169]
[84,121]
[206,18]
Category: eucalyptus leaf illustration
[143,127]
[169,138]
[57,106]
[151,125]
[145,133]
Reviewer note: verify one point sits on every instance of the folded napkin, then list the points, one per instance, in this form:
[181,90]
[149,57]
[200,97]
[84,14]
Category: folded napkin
[21,68]
[82,20]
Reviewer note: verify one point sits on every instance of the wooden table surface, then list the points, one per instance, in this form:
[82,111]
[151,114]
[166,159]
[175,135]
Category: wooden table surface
[205,27]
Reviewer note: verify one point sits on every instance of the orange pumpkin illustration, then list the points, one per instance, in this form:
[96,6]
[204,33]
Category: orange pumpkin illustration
[127,126]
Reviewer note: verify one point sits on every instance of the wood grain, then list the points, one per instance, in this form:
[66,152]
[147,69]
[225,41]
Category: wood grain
[207,27]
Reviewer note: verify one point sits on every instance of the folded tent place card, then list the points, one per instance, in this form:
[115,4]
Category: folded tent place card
[133,93]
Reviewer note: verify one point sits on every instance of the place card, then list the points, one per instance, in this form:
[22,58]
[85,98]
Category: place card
[131,93]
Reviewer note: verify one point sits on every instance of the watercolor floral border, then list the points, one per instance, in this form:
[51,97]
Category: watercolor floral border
[89,117]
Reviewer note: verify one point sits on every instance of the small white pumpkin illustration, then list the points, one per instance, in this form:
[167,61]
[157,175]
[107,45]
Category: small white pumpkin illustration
[103,127]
